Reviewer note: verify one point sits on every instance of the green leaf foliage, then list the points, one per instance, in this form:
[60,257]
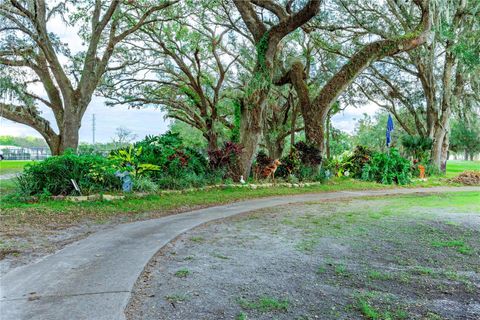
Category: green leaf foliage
[92,173]
[387,168]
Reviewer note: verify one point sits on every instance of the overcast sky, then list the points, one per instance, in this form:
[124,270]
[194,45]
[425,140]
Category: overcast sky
[145,121]
[140,121]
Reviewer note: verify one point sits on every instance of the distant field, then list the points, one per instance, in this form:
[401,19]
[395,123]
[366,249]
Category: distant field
[12,166]
[454,167]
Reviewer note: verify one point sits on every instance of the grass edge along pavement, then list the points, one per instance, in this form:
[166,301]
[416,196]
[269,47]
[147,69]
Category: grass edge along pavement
[126,244]
[249,299]
[155,205]
[171,202]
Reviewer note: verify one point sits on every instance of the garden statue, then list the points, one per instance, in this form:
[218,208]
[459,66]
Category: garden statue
[328,174]
[421,169]
[126,178]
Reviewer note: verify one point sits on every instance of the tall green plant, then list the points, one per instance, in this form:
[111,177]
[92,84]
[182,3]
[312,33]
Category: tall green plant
[417,147]
[130,160]
[387,168]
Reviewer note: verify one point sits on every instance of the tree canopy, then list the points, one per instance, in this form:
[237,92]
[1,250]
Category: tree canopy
[260,73]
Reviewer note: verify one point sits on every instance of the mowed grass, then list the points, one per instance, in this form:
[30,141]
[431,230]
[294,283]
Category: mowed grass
[7,186]
[155,205]
[12,166]
[454,167]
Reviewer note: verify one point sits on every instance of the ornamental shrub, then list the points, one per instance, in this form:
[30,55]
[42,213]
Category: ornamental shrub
[169,153]
[417,147]
[129,159]
[355,163]
[224,160]
[387,168]
[144,184]
[166,161]
[309,154]
[52,175]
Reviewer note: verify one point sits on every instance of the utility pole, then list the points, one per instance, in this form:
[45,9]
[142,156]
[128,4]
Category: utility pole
[93,129]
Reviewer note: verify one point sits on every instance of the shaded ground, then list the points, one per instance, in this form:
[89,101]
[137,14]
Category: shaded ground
[409,257]
[21,245]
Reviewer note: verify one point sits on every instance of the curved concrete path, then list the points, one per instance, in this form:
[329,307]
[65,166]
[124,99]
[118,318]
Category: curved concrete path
[92,278]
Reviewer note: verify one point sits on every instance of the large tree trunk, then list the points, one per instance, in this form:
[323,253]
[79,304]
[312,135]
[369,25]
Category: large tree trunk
[54,145]
[251,129]
[327,142]
[441,143]
[437,145]
[266,38]
[314,133]
[69,134]
[452,88]
[211,136]
[444,156]
[274,148]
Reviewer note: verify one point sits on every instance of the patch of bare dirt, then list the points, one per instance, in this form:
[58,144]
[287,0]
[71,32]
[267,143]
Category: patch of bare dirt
[26,238]
[336,260]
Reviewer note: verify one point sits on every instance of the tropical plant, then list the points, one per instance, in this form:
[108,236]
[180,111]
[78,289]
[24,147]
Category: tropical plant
[354,164]
[224,159]
[129,159]
[387,168]
[309,154]
[144,184]
[417,147]
[169,152]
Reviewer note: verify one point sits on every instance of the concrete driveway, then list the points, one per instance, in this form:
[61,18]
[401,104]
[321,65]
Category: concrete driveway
[93,278]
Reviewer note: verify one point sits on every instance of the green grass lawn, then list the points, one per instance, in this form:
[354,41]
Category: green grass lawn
[161,204]
[7,186]
[454,167]
[12,166]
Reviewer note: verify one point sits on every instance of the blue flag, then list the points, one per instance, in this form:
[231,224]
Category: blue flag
[389,129]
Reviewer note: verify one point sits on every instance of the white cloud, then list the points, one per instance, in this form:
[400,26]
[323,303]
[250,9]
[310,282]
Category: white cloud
[347,119]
